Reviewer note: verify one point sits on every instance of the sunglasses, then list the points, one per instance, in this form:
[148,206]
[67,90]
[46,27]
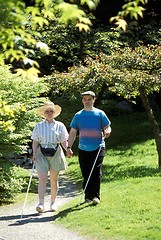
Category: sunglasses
[49,111]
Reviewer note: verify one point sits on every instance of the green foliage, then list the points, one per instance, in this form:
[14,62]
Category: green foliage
[73,49]
[10,182]
[65,46]
[95,69]
[15,41]
[124,72]
[141,66]
[18,42]
[17,118]
[69,47]
[19,24]
[132,9]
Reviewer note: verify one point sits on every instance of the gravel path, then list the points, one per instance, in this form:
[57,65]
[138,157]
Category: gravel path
[36,226]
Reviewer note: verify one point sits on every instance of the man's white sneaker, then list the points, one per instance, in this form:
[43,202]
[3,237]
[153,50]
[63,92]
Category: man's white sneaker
[95,201]
[40,208]
[53,207]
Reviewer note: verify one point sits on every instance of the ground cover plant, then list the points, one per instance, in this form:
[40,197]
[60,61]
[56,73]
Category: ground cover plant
[14,183]
[130,191]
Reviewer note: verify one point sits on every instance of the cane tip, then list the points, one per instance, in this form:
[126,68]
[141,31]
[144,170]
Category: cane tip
[19,221]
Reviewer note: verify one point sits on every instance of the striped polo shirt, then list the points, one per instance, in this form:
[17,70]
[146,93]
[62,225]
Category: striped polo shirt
[49,134]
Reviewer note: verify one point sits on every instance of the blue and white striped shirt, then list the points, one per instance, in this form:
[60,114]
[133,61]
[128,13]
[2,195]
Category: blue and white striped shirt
[49,134]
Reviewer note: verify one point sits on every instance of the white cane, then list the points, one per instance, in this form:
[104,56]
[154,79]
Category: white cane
[90,175]
[32,171]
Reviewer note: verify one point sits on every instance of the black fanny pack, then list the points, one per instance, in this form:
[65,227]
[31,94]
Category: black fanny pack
[48,152]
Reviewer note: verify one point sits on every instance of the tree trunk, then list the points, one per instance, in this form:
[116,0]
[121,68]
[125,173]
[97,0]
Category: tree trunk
[153,122]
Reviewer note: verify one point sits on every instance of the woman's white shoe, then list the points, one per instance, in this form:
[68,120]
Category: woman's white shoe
[40,208]
[53,207]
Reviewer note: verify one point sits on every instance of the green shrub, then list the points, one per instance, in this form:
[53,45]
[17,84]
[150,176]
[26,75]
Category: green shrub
[10,182]
[18,98]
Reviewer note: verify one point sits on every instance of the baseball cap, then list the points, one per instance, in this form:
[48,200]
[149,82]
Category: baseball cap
[88,93]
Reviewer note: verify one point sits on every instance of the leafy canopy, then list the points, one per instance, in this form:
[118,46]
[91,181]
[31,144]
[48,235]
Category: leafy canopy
[131,9]
[123,72]
[18,32]
[130,69]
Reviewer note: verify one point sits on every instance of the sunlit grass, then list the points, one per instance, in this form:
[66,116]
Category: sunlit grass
[130,203]
[130,189]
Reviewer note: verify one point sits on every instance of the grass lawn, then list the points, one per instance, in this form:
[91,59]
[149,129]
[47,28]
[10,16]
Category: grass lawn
[130,190]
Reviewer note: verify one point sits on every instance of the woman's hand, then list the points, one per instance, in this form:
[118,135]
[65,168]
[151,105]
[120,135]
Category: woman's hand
[69,152]
[33,157]
[107,131]
[35,145]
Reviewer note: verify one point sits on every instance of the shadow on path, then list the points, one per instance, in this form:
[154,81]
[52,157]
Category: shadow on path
[36,217]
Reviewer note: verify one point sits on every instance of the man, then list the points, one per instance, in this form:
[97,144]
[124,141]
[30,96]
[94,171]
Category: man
[93,126]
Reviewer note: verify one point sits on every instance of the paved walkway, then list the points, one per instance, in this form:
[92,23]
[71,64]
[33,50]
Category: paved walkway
[36,226]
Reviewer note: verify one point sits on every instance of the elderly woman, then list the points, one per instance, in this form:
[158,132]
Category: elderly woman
[48,136]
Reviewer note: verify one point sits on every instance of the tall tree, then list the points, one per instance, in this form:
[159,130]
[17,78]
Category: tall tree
[19,22]
[136,72]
